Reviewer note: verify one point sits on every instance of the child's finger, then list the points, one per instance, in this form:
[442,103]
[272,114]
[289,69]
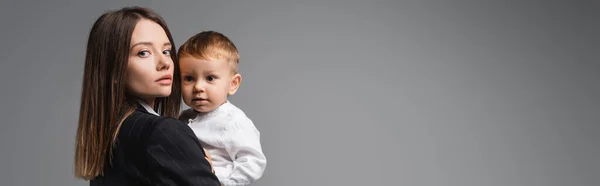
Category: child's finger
[206,153]
[209,159]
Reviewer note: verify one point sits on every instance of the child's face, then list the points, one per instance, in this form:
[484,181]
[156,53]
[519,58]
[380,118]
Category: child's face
[205,84]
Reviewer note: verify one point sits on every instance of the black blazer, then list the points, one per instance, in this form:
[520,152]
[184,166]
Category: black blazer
[156,150]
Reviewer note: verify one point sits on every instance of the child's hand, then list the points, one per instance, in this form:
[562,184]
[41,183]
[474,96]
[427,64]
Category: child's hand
[209,159]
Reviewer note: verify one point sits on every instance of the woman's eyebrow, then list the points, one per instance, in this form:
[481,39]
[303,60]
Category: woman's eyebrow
[149,44]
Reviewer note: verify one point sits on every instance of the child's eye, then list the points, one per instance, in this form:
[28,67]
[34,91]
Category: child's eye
[167,52]
[143,53]
[188,78]
[211,78]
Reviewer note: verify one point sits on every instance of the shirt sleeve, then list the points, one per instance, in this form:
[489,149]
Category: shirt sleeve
[242,143]
[176,157]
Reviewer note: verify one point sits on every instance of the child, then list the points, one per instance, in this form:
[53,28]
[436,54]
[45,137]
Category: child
[209,75]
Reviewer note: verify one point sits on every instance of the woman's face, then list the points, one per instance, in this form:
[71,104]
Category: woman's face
[150,67]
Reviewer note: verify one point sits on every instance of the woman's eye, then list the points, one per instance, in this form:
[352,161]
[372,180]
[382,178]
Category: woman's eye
[167,52]
[144,53]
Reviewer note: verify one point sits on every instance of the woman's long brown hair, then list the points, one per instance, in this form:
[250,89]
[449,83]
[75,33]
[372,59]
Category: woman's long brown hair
[105,103]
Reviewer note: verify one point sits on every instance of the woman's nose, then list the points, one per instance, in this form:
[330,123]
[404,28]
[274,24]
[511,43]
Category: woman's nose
[164,62]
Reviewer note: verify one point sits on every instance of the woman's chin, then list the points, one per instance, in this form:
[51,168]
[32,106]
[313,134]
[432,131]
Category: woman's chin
[163,94]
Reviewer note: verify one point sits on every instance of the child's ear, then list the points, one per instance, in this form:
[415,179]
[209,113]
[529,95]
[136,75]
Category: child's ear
[235,84]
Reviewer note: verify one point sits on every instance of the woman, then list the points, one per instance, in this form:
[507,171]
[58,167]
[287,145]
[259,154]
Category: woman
[131,91]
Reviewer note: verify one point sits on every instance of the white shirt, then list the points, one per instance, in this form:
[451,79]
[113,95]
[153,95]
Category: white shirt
[232,141]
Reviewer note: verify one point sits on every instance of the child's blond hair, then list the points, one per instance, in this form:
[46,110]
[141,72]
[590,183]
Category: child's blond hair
[210,45]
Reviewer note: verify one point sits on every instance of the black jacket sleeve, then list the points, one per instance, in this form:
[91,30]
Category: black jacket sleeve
[176,157]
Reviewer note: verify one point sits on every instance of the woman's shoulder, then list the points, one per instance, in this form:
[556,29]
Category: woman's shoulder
[187,114]
[141,125]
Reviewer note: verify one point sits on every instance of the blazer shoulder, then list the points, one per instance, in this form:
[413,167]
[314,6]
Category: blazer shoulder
[141,128]
[141,125]
[186,115]
[167,127]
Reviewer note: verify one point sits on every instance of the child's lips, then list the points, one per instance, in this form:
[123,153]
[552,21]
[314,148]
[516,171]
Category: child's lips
[199,100]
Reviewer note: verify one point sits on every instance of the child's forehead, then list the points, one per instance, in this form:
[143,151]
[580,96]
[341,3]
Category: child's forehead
[200,61]
[188,58]
[198,64]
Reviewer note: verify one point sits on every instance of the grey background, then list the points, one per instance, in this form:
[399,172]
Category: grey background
[418,93]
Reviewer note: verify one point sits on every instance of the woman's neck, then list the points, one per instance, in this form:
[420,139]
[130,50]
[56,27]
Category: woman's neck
[149,101]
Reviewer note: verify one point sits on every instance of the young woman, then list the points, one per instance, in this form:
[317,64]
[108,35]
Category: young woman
[127,134]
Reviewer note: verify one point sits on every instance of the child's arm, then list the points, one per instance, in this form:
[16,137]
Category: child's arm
[243,146]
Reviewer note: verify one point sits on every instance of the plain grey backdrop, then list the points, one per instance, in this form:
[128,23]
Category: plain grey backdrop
[419,93]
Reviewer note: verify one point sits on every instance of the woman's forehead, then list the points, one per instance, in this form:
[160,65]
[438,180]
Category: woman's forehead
[148,32]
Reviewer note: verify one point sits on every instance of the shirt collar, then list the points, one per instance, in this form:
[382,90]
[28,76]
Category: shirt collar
[221,109]
[147,107]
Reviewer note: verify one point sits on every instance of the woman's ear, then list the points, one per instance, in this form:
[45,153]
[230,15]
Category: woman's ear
[235,84]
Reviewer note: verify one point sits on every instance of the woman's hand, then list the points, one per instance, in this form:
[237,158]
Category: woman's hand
[209,159]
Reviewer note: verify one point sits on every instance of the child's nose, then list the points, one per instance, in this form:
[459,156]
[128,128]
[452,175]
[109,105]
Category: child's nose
[199,86]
